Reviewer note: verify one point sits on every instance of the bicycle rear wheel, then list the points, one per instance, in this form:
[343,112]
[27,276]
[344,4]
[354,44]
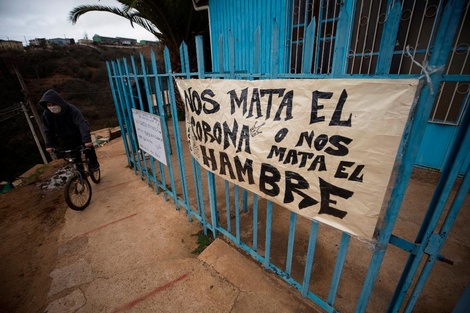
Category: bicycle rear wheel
[77,193]
[95,176]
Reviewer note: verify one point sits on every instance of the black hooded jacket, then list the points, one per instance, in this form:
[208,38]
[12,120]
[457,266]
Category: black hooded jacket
[69,125]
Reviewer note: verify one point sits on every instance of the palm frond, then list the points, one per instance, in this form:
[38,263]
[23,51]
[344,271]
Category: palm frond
[82,9]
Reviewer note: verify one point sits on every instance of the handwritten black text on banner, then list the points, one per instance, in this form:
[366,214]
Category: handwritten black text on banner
[322,148]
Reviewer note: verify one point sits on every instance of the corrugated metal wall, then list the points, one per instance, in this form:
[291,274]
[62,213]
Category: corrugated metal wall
[225,25]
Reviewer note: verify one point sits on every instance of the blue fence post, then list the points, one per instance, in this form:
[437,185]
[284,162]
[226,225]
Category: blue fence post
[128,115]
[290,242]
[389,37]
[312,241]
[185,69]
[227,206]
[164,123]
[339,265]
[255,222]
[150,106]
[343,38]
[210,176]
[113,76]
[176,130]
[267,244]
[139,106]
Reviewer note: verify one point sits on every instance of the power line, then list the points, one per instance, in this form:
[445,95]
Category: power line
[14,107]
[10,112]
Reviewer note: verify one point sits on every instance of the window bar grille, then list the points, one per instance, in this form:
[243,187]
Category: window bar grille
[356,40]
[457,85]
[319,56]
[366,20]
[331,37]
[375,35]
[409,19]
[316,37]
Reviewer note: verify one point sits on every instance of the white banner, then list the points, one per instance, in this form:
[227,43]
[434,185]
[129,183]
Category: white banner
[148,128]
[323,148]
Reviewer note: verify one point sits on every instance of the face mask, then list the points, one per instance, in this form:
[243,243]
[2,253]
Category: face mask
[55,109]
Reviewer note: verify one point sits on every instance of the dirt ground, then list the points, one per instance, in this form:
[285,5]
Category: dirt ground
[30,222]
[32,217]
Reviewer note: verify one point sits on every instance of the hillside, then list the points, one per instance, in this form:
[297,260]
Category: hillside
[78,73]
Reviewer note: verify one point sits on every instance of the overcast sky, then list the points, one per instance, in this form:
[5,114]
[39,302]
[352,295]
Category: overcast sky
[23,20]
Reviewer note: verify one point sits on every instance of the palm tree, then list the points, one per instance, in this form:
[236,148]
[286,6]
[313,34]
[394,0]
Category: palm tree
[171,21]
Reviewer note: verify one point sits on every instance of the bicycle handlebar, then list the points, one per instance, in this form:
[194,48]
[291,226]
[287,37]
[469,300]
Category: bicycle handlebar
[79,148]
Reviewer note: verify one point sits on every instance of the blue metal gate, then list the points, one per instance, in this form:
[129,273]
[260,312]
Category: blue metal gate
[253,224]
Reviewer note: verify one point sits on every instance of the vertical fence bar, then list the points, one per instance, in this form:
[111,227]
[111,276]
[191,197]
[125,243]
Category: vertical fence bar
[140,107]
[341,257]
[227,206]
[312,241]
[131,105]
[130,125]
[255,222]
[237,214]
[150,106]
[245,200]
[196,167]
[267,244]
[210,176]
[389,37]
[166,135]
[176,130]
[125,115]
[290,242]
[343,38]
[114,90]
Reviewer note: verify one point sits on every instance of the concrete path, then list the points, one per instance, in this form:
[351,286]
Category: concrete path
[130,251]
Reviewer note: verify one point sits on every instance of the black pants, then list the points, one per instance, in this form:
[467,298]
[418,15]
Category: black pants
[90,155]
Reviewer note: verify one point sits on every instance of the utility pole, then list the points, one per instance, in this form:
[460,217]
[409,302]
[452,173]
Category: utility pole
[33,108]
[34,133]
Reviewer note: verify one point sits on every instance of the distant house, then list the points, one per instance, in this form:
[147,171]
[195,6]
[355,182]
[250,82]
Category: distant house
[61,41]
[11,45]
[117,41]
[38,42]
[105,40]
[85,41]
[127,41]
[149,43]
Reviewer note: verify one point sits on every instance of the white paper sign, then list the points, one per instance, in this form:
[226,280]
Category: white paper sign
[149,134]
[323,148]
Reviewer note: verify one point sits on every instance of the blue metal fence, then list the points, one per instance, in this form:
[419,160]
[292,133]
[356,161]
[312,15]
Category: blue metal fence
[252,223]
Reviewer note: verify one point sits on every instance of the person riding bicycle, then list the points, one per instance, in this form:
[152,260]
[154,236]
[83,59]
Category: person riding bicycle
[64,120]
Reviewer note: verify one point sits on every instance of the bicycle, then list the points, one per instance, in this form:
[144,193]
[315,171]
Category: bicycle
[77,190]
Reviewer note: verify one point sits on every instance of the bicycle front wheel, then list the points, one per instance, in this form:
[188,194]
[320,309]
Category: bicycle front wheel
[77,193]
